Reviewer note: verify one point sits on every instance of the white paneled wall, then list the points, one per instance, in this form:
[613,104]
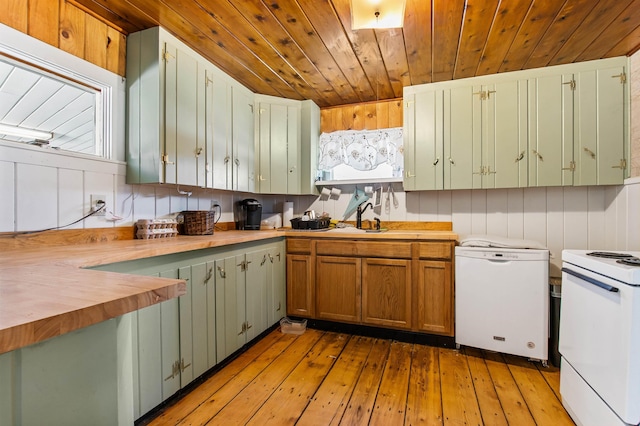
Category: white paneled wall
[40,189]
[598,217]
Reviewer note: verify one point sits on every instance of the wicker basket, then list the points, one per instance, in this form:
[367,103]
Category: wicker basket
[197,222]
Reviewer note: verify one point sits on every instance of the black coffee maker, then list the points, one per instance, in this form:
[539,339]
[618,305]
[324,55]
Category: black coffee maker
[248,214]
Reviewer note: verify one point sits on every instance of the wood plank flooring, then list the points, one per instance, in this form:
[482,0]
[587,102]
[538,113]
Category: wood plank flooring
[327,378]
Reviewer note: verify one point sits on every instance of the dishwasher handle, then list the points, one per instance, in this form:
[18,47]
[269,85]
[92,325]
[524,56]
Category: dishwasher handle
[591,280]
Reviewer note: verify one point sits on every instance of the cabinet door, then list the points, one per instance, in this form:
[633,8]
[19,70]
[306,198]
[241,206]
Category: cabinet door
[462,152]
[300,275]
[263,150]
[435,297]
[219,116]
[149,359]
[423,140]
[294,135]
[506,147]
[600,133]
[185,304]
[229,310]
[212,329]
[243,140]
[255,280]
[181,106]
[386,292]
[277,284]
[202,330]
[170,341]
[551,130]
[338,288]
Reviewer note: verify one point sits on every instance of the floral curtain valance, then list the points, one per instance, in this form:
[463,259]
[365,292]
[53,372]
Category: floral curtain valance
[361,149]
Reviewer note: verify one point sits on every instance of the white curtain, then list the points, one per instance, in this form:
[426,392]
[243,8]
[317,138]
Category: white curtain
[361,149]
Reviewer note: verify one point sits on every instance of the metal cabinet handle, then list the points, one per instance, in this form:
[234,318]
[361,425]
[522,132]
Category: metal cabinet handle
[489,172]
[264,260]
[591,153]
[270,257]
[261,178]
[248,326]
[279,306]
[451,161]
[209,276]
[237,161]
[520,157]
[244,328]
[226,159]
[223,273]
[409,175]
[437,161]
[537,154]
[481,172]
[198,152]
[292,169]
[572,166]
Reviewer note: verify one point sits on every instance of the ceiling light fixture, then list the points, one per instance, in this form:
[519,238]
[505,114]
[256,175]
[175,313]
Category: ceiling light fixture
[21,132]
[377,14]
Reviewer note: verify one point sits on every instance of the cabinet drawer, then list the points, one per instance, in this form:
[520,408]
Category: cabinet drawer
[391,250]
[435,250]
[298,245]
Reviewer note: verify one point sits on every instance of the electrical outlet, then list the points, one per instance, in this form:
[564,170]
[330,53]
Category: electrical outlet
[98,201]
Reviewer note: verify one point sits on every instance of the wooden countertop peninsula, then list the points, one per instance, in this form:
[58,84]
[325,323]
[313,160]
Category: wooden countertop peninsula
[46,292]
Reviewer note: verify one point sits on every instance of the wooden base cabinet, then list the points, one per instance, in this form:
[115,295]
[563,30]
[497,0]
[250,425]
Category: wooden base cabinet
[404,285]
[435,297]
[386,292]
[338,288]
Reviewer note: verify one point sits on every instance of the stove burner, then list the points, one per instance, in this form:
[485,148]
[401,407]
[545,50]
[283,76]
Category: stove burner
[609,255]
[631,261]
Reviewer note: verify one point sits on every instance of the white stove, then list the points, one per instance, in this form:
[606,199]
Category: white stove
[600,337]
[612,266]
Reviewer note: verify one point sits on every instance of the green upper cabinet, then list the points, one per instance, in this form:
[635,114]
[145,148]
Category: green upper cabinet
[423,138]
[562,125]
[485,135]
[286,140]
[599,135]
[579,125]
[551,130]
[242,167]
[188,122]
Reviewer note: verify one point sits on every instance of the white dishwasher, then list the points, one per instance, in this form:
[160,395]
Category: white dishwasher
[502,300]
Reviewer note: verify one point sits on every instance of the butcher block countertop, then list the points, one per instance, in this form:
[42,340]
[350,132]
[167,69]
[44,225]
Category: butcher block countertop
[46,292]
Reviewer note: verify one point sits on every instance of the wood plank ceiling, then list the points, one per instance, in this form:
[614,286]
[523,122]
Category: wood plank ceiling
[305,49]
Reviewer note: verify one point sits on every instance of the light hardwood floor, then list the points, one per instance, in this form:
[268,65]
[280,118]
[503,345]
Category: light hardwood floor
[326,378]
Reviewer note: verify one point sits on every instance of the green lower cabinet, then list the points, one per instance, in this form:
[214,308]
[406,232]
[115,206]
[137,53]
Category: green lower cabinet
[116,371]
[276,285]
[68,380]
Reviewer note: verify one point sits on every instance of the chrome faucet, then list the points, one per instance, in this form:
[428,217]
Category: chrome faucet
[359,212]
